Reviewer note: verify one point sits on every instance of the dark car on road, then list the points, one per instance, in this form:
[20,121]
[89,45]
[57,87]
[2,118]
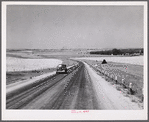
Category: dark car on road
[61,68]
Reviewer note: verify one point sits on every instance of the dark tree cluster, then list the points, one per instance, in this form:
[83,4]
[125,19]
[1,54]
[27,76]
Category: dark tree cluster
[119,52]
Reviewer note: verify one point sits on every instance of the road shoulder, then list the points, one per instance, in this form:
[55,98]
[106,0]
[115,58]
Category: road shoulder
[107,95]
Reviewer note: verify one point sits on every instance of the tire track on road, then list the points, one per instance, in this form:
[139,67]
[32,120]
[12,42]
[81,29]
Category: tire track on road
[23,98]
[62,99]
[86,98]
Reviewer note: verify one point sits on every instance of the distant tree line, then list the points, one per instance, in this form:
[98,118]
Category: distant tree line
[119,52]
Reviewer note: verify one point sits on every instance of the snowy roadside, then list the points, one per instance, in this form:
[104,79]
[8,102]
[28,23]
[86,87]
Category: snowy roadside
[108,96]
[24,83]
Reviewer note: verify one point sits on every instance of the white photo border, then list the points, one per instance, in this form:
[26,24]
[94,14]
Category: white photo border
[66,114]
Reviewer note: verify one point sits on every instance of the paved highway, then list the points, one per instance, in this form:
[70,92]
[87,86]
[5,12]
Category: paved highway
[81,88]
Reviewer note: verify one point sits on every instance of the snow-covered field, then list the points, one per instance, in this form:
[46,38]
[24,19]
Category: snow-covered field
[139,60]
[18,64]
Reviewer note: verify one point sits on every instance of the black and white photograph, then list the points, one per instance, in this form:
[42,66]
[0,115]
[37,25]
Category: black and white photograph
[74,60]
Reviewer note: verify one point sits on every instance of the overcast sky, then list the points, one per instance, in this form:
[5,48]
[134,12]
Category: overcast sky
[48,27]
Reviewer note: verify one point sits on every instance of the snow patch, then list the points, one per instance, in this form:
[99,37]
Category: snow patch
[18,64]
[139,60]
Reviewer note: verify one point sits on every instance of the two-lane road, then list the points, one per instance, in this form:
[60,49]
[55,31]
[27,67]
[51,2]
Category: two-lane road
[81,88]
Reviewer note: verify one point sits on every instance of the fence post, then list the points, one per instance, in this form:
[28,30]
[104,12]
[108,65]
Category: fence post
[103,72]
[130,88]
[123,83]
[111,76]
[107,74]
[100,71]
[115,79]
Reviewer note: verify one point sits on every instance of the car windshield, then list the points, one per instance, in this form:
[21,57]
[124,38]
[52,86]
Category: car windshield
[61,65]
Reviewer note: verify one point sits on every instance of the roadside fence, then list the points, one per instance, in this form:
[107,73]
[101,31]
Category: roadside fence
[118,79]
[109,76]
